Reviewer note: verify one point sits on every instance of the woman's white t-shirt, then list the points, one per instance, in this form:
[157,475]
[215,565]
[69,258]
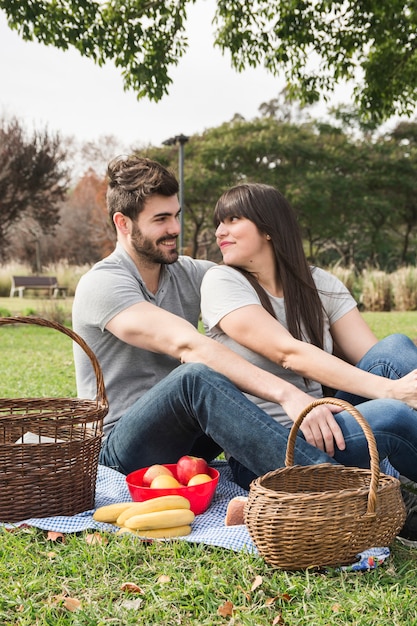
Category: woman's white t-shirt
[224,289]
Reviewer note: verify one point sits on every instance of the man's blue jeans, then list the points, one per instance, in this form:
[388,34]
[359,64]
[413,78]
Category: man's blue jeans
[195,410]
[195,407]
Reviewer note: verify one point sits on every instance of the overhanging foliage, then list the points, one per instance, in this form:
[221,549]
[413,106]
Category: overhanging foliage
[314,44]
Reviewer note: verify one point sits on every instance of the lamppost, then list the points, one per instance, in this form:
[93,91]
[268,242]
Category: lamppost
[181,140]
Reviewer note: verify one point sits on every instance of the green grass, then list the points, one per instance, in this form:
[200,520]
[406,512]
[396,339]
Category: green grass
[180,583]
[384,324]
[50,308]
[187,584]
[35,362]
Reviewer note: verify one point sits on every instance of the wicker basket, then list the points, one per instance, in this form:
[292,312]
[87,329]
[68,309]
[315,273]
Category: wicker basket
[323,515]
[49,447]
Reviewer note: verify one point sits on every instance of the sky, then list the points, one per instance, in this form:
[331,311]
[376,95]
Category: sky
[67,93]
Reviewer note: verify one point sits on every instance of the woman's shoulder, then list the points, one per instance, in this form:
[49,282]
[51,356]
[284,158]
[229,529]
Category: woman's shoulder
[325,280]
[224,274]
[224,270]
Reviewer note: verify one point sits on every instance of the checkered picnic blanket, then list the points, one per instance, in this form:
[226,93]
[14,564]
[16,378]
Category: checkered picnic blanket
[208,528]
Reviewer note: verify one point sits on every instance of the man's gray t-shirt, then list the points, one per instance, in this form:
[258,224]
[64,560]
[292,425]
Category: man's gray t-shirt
[224,289]
[111,286]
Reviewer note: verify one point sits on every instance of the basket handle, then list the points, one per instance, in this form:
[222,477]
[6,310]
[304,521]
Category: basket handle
[101,398]
[373,450]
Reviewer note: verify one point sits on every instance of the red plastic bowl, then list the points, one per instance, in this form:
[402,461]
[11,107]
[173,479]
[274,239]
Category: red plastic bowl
[200,496]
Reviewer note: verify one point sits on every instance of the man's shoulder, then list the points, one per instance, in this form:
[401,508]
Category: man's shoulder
[114,263]
[196,267]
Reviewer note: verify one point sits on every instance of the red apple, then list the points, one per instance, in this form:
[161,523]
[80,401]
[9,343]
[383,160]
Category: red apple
[189,466]
[153,471]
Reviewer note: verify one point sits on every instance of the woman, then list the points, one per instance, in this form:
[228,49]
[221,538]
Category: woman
[269,305]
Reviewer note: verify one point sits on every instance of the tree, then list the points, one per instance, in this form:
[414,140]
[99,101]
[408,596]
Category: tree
[370,42]
[143,38]
[398,171]
[33,180]
[84,234]
[314,43]
[353,193]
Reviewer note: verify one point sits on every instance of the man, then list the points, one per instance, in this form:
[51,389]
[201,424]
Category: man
[171,390]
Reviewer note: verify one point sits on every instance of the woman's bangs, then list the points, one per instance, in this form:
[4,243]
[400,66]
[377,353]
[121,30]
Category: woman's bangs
[225,209]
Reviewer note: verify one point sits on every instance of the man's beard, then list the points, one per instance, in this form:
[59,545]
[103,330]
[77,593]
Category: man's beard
[148,250]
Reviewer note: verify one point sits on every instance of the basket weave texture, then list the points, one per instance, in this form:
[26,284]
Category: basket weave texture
[323,515]
[54,472]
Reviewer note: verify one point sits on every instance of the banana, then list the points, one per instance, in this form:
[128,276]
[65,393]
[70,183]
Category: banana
[125,531]
[162,503]
[165,533]
[158,533]
[160,519]
[110,512]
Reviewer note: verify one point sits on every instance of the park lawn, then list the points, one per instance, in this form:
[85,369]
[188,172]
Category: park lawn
[81,580]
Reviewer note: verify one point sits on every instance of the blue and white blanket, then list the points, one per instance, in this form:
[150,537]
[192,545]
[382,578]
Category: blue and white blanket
[208,528]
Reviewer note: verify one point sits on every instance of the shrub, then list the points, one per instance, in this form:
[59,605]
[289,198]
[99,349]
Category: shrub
[67,275]
[376,291]
[55,312]
[6,272]
[404,288]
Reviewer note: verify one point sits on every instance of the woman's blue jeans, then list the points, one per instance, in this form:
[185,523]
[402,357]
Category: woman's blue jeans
[393,423]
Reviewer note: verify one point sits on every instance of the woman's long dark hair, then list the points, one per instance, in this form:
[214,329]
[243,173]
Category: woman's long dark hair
[273,215]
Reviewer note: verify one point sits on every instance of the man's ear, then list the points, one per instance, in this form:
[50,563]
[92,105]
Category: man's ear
[121,222]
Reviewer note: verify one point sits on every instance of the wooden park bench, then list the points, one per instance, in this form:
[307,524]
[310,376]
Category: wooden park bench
[48,283]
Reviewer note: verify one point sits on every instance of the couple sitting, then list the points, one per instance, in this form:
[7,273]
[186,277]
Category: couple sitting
[272,325]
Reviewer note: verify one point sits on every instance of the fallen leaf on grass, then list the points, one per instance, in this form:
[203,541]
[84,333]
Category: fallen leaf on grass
[285,596]
[278,620]
[95,539]
[164,578]
[54,536]
[131,587]
[72,604]
[132,604]
[256,583]
[13,529]
[245,593]
[226,609]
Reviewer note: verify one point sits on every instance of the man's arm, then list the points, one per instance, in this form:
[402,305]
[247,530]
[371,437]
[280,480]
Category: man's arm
[149,327]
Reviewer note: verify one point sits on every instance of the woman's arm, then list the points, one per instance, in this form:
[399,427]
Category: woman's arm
[352,336]
[257,330]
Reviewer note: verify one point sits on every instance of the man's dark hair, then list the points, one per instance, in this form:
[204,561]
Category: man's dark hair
[132,180]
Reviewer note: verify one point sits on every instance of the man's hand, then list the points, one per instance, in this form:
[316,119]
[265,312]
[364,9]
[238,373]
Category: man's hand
[319,427]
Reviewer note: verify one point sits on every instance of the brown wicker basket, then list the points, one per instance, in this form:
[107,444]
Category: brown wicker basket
[54,472]
[323,515]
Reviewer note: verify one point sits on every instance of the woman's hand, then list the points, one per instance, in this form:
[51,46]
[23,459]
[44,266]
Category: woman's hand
[319,427]
[404,389]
